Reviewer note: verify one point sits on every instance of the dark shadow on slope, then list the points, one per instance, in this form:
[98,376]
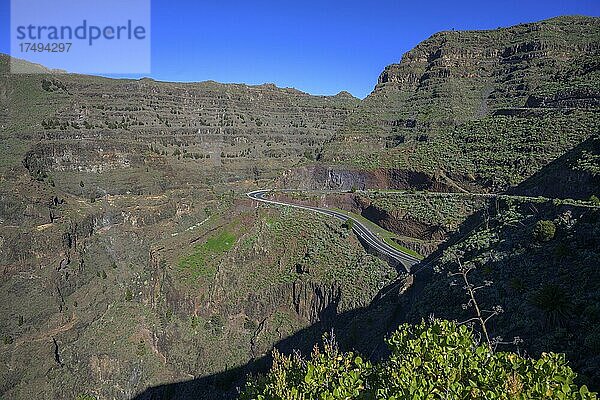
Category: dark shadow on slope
[360,329]
[561,178]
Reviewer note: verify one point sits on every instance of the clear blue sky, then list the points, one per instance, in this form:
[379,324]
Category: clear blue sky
[321,47]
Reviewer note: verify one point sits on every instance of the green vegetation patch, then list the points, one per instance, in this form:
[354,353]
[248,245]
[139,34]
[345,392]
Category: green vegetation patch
[199,262]
[448,210]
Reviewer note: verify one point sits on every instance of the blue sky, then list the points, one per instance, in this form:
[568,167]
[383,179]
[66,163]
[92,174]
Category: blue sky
[321,47]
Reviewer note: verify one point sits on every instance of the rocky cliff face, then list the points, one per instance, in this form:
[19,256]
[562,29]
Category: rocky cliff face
[120,289]
[344,178]
[428,114]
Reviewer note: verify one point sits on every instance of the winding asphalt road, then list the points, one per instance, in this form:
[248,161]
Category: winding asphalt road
[360,229]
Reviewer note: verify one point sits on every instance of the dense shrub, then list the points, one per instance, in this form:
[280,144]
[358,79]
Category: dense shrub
[544,230]
[436,360]
[329,374]
[348,224]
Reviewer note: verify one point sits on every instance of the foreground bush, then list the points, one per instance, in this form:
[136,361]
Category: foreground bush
[436,360]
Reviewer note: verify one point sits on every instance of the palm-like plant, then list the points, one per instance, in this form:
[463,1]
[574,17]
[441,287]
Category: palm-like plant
[555,304]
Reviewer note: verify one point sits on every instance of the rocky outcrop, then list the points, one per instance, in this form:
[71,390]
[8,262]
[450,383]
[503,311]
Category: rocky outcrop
[569,98]
[82,156]
[312,301]
[319,177]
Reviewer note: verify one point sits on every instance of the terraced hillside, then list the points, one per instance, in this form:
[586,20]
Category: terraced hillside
[72,124]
